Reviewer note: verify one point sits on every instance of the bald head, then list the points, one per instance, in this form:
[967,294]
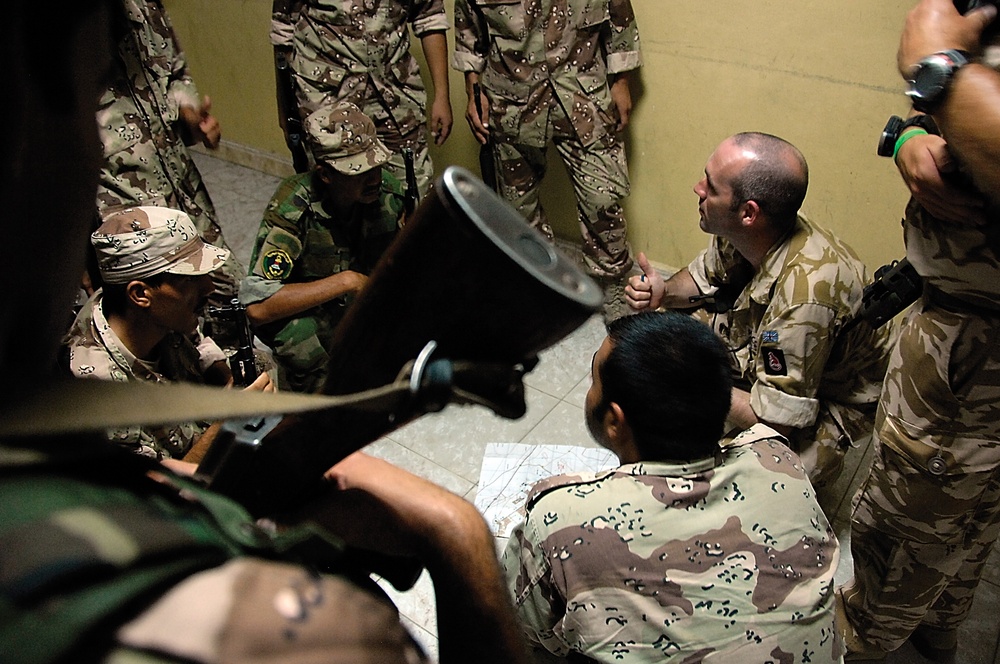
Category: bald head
[776,177]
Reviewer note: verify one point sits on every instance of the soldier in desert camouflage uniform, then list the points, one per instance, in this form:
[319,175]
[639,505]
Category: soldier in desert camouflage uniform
[156,273]
[322,232]
[927,517]
[148,114]
[784,291]
[686,552]
[556,70]
[358,51]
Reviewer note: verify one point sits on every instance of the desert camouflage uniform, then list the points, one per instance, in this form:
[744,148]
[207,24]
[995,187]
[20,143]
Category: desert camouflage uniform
[95,351]
[925,521]
[108,557]
[716,560]
[146,161]
[359,51]
[784,333]
[546,75]
[299,242]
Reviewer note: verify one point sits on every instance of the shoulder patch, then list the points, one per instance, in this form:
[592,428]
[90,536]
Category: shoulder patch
[276,264]
[774,362]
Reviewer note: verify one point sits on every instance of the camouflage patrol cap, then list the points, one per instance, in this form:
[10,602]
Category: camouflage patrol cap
[139,242]
[345,138]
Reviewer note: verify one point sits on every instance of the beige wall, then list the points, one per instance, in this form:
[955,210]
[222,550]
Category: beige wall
[820,74]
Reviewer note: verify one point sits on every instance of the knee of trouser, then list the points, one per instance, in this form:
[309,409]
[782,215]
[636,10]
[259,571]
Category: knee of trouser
[298,345]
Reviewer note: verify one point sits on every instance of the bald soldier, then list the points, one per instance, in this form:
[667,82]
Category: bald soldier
[321,235]
[780,291]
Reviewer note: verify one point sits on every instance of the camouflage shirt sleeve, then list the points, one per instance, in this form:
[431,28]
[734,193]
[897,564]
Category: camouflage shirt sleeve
[428,16]
[468,33]
[280,240]
[622,44]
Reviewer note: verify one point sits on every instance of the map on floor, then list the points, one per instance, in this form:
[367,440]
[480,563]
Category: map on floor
[511,469]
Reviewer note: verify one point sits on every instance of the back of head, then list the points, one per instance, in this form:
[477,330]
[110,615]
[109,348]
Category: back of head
[777,179]
[670,375]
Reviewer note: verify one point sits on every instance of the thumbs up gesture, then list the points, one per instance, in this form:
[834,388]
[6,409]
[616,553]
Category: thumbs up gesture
[644,291]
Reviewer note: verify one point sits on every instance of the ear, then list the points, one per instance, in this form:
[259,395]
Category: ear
[614,423]
[749,213]
[323,171]
[619,433]
[139,293]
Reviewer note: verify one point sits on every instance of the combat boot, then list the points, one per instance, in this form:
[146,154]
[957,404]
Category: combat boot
[937,645]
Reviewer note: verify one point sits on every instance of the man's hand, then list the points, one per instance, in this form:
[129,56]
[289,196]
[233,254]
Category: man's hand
[262,383]
[923,161]
[202,126]
[479,124]
[441,120]
[621,95]
[644,291]
[935,25]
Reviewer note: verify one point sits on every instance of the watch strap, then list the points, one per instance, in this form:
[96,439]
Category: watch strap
[922,120]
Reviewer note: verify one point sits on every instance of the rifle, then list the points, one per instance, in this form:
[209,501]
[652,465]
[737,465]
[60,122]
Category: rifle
[412,195]
[288,112]
[402,350]
[242,362]
[487,166]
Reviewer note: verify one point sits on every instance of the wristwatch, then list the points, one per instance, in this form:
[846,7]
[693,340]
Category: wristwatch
[895,127]
[931,78]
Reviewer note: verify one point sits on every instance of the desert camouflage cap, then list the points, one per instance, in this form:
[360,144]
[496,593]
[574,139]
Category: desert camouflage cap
[139,242]
[345,138]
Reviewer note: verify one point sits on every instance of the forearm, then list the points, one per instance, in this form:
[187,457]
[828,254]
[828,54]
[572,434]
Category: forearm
[435,47]
[475,618]
[740,412]
[292,299]
[409,515]
[742,415]
[969,119]
[678,291]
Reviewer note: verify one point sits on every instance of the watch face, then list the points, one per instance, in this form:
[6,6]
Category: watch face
[931,76]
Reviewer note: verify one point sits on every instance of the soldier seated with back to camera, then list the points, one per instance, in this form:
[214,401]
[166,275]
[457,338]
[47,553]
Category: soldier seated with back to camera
[688,551]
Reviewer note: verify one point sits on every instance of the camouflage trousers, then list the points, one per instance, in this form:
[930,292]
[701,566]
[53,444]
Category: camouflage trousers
[925,520]
[300,350]
[823,448]
[312,98]
[599,174]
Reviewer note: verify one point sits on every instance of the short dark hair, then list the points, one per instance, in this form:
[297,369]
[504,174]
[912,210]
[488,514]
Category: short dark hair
[670,375]
[769,180]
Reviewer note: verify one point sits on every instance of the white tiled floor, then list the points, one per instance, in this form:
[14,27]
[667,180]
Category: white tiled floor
[448,447]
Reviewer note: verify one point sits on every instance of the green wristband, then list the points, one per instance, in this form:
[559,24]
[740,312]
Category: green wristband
[907,135]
